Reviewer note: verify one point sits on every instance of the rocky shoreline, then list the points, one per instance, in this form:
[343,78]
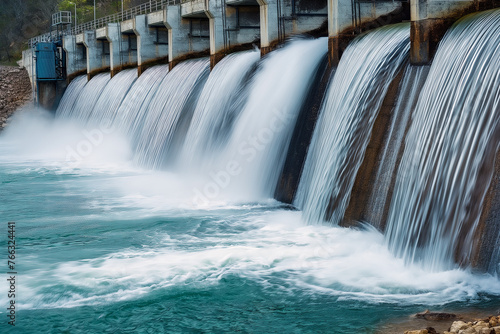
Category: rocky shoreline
[489,325]
[15,92]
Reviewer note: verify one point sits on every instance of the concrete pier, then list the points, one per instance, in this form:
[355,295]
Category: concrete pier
[128,44]
[486,242]
[103,42]
[218,38]
[76,54]
[346,21]
[430,19]
[288,182]
[268,31]
[156,40]
[96,62]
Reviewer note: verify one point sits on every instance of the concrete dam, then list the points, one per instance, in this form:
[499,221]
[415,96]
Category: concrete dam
[169,33]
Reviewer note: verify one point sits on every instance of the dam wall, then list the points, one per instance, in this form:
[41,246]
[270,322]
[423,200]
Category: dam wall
[169,31]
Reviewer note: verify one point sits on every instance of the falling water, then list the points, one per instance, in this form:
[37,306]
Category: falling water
[87,99]
[410,87]
[106,108]
[132,110]
[122,103]
[219,105]
[259,141]
[444,171]
[71,95]
[170,108]
[343,129]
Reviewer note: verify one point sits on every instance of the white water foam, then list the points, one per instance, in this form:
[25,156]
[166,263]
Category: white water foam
[344,263]
[34,136]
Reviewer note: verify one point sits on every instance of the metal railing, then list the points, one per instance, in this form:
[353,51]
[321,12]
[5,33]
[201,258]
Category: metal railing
[62,17]
[145,8]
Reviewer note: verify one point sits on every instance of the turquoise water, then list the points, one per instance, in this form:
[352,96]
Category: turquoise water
[106,247]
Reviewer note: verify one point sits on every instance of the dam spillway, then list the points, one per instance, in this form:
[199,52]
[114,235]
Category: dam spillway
[180,123]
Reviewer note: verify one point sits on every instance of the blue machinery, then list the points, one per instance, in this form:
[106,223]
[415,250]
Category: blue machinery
[49,59]
[50,64]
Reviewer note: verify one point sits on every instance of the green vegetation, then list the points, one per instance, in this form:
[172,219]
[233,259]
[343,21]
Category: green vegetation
[85,8]
[21,20]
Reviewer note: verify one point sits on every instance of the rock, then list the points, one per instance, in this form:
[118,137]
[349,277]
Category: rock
[15,91]
[496,329]
[481,324]
[458,325]
[486,331]
[435,316]
[469,330]
[419,331]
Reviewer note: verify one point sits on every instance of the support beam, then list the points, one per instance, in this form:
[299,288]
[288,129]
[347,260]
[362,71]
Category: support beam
[148,43]
[215,13]
[94,54]
[430,19]
[75,55]
[105,46]
[338,22]
[113,36]
[268,25]
[420,51]
[128,44]
[343,27]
